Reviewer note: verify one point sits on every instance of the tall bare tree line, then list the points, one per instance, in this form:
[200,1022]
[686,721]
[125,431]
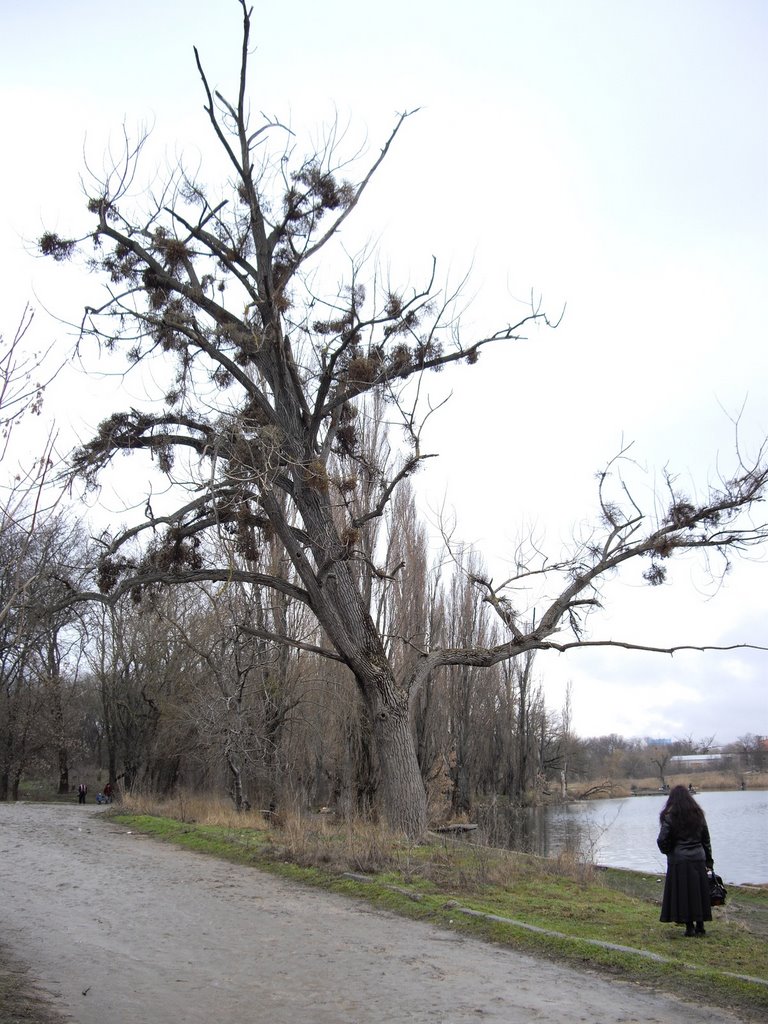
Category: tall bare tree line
[177,687]
[174,689]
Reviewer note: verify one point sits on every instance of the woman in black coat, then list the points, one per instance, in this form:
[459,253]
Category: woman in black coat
[684,837]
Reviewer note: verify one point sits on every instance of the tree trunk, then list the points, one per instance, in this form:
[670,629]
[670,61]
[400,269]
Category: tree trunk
[238,796]
[111,738]
[61,737]
[461,797]
[56,704]
[365,770]
[402,795]
[63,771]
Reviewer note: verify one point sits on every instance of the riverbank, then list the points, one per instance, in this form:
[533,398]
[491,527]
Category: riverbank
[702,781]
[602,919]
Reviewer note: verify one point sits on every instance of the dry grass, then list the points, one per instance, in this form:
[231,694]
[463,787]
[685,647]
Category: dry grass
[304,838]
[363,847]
[201,809]
[321,841]
[702,782]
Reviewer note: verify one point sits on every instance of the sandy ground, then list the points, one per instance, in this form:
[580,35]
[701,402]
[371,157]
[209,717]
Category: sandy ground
[119,928]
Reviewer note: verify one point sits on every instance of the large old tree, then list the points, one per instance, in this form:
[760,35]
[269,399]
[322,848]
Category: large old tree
[266,390]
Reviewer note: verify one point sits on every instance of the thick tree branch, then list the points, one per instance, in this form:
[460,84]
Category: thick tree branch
[227,575]
[287,641]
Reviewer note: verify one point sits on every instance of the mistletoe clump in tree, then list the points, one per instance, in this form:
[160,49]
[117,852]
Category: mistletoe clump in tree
[269,386]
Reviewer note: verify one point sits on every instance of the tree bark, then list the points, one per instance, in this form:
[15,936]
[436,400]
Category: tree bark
[57,712]
[402,794]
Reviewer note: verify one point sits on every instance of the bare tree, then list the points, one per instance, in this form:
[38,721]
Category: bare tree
[39,571]
[65,564]
[660,756]
[21,389]
[752,752]
[248,687]
[20,694]
[270,386]
[24,491]
[566,739]
[142,672]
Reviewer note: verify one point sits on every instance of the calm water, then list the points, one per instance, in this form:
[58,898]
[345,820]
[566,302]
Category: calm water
[622,833]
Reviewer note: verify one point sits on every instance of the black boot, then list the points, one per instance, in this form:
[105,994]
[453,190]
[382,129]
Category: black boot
[689,929]
[700,928]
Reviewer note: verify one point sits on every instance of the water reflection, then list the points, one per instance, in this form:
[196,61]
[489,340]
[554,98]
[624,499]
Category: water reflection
[622,833]
[538,830]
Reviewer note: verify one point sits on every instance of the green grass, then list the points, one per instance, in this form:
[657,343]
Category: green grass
[583,912]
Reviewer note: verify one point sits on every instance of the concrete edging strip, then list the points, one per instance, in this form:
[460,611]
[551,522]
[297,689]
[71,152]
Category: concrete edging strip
[603,945]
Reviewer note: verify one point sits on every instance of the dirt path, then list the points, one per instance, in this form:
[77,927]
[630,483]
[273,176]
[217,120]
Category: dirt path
[119,928]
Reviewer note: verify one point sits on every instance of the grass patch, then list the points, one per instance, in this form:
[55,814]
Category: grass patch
[582,913]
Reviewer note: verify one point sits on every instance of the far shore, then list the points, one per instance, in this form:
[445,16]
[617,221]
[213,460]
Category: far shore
[702,781]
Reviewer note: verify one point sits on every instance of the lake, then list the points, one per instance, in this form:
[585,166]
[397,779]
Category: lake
[622,833]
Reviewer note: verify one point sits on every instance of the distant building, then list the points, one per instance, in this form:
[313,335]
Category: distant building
[691,761]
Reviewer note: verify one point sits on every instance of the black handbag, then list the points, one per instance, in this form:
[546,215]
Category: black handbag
[717,891]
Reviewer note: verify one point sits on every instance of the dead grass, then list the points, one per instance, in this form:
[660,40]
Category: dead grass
[702,782]
[304,838]
[193,808]
[362,847]
[319,841]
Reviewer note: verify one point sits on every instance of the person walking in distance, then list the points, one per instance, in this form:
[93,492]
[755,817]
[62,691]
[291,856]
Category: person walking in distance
[684,838]
[82,791]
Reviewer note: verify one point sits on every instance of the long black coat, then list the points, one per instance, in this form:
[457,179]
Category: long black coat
[686,887]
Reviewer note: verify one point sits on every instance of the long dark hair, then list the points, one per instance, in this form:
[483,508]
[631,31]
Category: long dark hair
[682,812]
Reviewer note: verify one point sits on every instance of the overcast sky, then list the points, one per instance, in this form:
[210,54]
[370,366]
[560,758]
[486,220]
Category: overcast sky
[609,156]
